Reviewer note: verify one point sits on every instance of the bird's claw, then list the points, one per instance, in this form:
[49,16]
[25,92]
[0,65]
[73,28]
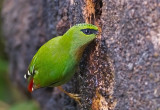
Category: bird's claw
[76,97]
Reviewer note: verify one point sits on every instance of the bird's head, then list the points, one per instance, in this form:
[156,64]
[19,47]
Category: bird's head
[82,34]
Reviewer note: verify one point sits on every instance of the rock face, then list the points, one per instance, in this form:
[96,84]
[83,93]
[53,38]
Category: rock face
[120,70]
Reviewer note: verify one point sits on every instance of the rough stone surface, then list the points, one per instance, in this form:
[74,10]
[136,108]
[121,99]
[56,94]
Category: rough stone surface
[131,30]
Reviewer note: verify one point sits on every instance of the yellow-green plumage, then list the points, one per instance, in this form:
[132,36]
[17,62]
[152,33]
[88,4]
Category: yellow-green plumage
[56,61]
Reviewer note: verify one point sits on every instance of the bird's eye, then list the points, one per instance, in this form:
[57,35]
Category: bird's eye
[89,31]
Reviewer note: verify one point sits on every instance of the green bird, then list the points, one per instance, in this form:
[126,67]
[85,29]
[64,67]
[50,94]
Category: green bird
[56,61]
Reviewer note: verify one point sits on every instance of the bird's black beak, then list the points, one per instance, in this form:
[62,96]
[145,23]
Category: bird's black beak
[97,32]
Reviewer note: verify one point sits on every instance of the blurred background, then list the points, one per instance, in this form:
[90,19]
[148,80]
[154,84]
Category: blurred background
[10,97]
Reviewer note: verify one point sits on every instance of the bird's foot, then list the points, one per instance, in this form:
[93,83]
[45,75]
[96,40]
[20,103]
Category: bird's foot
[76,97]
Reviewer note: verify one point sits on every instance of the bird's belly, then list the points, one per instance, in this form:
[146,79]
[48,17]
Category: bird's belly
[66,76]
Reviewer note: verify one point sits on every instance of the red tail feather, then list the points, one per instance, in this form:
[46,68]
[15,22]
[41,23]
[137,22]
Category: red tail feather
[30,85]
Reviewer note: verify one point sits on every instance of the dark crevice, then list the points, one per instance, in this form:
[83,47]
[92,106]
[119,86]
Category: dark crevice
[98,8]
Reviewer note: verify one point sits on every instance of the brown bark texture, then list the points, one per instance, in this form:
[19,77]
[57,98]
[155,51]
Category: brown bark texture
[120,70]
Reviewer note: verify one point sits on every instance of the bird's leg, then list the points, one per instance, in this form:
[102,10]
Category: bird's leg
[76,97]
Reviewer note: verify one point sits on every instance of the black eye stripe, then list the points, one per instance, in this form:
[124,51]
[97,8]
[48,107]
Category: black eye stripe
[89,31]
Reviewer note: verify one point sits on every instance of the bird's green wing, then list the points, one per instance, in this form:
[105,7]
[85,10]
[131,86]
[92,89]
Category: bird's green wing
[46,65]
